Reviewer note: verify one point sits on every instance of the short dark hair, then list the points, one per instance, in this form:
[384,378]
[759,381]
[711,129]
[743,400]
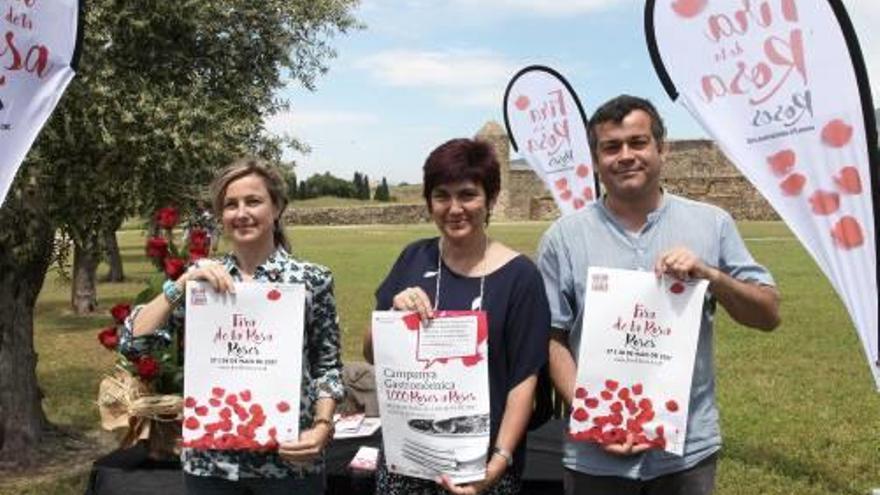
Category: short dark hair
[462,159]
[616,109]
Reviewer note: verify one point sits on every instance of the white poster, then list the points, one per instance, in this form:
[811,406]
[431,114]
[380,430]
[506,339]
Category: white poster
[37,59]
[243,366]
[432,383]
[636,358]
[780,85]
[547,126]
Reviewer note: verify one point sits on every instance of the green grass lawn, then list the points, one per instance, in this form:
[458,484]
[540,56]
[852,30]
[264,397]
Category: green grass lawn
[800,414]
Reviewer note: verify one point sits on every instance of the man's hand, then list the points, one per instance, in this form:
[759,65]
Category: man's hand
[683,264]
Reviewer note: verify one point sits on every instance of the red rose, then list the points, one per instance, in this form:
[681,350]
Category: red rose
[197,252]
[198,238]
[167,217]
[147,367]
[174,267]
[157,247]
[120,312]
[108,338]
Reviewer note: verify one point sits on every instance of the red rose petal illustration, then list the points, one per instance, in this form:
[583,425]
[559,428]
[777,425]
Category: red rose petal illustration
[676,288]
[471,360]
[616,407]
[671,406]
[611,385]
[565,195]
[273,295]
[824,202]
[201,410]
[214,402]
[606,395]
[688,8]
[191,423]
[561,184]
[637,389]
[226,413]
[231,399]
[522,102]
[580,414]
[218,392]
[781,163]
[836,133]
[582,170]
[580,393]
[645,404]
[412,321]
[189,402]
[592,403]
[793,185]
[623,393]
[588,193]
[849,181]
[245,395]
[578,203]
[283,406]
[847,233]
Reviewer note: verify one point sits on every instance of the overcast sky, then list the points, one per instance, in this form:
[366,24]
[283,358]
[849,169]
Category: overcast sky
[424,71]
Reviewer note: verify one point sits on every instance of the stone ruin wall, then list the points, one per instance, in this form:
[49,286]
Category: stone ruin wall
[695,169]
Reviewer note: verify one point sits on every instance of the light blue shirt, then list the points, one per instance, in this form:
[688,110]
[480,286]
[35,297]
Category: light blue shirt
[593,237]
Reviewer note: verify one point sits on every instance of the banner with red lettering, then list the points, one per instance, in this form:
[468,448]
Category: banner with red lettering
[547,126]
[782,88]
[38,54]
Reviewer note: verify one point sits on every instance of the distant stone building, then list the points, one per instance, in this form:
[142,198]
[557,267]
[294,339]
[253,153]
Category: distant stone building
[694,168]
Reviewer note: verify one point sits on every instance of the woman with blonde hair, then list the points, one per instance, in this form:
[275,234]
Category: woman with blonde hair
[248,198]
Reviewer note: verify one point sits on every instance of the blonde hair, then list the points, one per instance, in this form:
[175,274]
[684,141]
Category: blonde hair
[272,179]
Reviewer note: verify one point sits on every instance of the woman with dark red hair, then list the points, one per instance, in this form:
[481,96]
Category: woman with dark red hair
[464,269]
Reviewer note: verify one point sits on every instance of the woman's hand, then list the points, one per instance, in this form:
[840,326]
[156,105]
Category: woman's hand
[212,272]
[414,299]
[494,471]
[310,446]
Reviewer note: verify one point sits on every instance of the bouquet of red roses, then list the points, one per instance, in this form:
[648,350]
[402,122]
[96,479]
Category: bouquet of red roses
[158,366]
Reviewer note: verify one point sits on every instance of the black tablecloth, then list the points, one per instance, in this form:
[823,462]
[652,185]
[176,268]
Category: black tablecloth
[131,472]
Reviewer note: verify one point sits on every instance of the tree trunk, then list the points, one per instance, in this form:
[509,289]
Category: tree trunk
[84,289]
[22,421]
[114,259]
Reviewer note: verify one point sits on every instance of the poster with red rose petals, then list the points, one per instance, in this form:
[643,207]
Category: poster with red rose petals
[781,87]
[243,366]
[547,126]
[38,54]
[432,383]
[636,359]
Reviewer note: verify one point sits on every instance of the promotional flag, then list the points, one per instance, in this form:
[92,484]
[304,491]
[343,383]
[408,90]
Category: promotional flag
[781,87]
[243,366]
[39,49]
[548,127]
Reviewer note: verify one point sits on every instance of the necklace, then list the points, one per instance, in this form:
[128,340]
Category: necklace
[440,271]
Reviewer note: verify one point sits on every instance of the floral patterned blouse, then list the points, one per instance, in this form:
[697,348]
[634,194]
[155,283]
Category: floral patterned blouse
[321,375]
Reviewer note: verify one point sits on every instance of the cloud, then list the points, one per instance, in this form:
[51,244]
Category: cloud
[466,77]
[290,121]
[436,69]
[545,8]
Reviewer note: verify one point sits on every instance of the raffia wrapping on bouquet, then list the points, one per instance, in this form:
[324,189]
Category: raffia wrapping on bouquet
[127,402]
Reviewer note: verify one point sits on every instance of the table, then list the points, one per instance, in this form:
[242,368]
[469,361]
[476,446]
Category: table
[131,472]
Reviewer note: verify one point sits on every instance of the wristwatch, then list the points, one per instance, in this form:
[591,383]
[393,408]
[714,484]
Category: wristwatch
[327,422]
[504,453]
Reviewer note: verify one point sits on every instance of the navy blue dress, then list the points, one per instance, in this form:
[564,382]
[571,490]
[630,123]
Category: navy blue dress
[517,310]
